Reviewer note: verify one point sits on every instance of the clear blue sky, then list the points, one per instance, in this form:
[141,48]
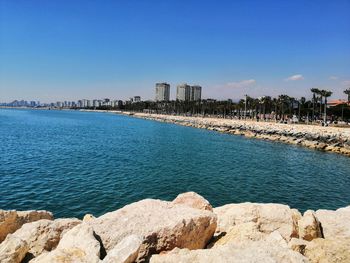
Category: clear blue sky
[60,50]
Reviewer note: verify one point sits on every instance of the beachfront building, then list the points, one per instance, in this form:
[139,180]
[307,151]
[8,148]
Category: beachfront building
[186,92]
[196,93]
[162,91]
[183,92]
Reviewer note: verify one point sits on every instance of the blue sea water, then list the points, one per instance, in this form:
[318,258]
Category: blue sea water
[73,163]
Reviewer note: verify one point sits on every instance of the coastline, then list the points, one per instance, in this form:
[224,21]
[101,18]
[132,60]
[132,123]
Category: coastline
[187,229]
[330,139]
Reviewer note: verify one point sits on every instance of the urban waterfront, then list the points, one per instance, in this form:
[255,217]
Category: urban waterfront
[73,163]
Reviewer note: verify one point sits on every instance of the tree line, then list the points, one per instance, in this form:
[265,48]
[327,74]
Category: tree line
[280,108]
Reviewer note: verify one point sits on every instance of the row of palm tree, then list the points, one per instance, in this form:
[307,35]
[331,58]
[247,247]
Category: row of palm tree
[279,108]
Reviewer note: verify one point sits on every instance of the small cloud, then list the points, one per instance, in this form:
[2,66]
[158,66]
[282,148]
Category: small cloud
[333,77]
[241,84]
[346,83]
[295,77]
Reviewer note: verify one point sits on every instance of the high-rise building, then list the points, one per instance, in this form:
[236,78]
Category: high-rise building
[196,93]
[162,92]
[137,98]
[186,92]
[183,92]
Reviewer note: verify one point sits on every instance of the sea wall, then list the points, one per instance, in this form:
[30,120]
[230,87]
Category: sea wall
[331,139]
[187,229]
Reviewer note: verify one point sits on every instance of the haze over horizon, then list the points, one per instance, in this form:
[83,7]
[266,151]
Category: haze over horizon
[63,50]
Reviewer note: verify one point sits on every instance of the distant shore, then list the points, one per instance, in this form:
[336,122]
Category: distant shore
[332,139]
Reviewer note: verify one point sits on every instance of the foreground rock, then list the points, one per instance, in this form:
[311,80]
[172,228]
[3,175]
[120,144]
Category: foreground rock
[78,245]
[335,250]
[258,251]
[12,220]
[126,251]
[40,236]
[180,231]
[13,251]
[309,226]
[194,200]
[335,223]
[162,226]
[253,221]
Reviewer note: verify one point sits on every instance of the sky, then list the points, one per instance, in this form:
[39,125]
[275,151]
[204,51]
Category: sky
[69,50]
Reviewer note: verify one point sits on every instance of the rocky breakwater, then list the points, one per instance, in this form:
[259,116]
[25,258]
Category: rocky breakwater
[187,229]
[331,139]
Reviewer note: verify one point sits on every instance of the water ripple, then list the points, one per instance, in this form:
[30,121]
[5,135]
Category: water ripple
[74,163]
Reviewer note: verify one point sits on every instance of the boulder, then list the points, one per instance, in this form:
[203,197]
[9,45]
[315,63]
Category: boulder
[12,220]
[258,251]
[331,250]
[335,224]
[267,217]
[40,236]
[163,226]
[13,251]
[194,200]
[126,251]
[309,227]
[77,245]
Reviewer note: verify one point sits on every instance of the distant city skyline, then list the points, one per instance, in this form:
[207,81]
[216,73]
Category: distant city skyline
[57,51]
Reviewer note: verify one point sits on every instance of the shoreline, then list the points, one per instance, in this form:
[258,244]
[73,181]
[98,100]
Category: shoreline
[186,229]
[328,139]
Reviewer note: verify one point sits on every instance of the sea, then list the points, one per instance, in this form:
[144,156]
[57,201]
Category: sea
[73,163]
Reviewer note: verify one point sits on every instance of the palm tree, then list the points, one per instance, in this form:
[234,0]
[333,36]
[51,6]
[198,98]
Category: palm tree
[347,92]
[314,92]
[282,100]
[325,94]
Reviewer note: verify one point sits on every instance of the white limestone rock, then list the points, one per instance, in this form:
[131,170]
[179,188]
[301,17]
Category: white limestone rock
[267,217]
[126,251]
[331,250]
[309,227]
[11,220]
[258,252]
[40,236]
[163,226]
[78,245]
[335,224]
[194,200]
[13,251]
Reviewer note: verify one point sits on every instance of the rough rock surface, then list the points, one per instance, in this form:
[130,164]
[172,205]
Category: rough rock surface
[267,217]
[335,223]
[241,233]
[40,236]
[259,251]
[13,251]
[298,245]
[333,250]
[309,227]
[194,200]
[126,251]
[163,226]
[12,220]
[78,245]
